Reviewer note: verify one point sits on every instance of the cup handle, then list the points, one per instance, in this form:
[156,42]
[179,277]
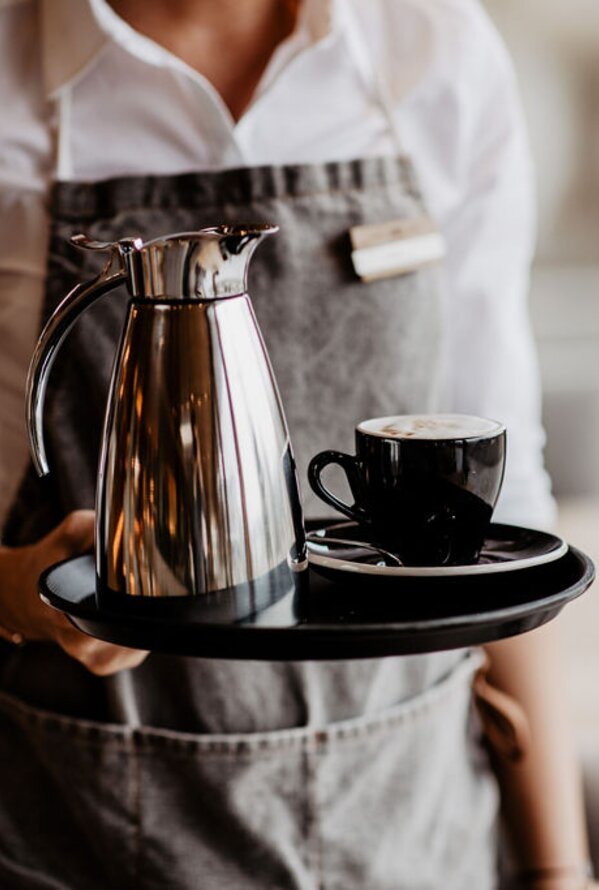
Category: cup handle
[349,465]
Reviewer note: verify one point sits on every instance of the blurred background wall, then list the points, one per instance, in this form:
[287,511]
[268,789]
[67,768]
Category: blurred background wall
[555,46]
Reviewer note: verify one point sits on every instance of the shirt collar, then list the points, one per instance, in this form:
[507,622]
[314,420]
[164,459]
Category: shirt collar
[71,39]
[320,17]
[74,32]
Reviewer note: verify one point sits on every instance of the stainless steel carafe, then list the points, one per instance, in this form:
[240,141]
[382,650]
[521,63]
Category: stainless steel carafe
[197,489]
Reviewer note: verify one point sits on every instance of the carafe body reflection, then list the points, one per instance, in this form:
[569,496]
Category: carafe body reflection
[197,490]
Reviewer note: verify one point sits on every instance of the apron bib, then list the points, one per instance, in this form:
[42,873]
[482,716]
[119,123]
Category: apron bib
[202,773]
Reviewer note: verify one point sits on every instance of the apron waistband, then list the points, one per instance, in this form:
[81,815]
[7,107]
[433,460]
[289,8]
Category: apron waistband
[245,185]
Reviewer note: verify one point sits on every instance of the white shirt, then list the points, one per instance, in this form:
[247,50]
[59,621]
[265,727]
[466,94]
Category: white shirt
[85,97]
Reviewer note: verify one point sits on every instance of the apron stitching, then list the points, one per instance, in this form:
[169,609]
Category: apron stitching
[89,732]
[135,791]
[313,834]
[248,750]
[100,736]
[269,747]
[320,740]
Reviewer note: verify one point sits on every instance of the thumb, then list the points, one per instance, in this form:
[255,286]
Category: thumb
[75,534]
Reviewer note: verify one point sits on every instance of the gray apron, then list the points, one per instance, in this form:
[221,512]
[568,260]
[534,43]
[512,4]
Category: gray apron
[205,773]
[200,773]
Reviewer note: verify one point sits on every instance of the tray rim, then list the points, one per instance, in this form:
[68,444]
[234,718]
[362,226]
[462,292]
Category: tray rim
[518,611]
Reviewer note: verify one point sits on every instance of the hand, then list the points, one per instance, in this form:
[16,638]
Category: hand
[22,611]
[560,883]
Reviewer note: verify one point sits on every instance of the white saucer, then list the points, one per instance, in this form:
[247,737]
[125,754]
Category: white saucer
[507,548]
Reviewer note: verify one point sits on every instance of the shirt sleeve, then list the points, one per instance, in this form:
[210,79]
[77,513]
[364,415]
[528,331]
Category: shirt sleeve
[490,352]
[26,154]
[22,275]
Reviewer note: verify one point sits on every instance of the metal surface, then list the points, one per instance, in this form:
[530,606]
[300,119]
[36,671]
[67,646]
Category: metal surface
[197,490]
[352,547]
[193,493]
[189,267]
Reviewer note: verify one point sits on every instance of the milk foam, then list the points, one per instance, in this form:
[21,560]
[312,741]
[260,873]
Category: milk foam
[431,426]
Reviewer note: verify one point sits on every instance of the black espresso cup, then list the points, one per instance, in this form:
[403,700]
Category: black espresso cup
[424,486]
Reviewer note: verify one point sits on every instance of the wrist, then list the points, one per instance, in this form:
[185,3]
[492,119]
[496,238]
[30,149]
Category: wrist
[568,877]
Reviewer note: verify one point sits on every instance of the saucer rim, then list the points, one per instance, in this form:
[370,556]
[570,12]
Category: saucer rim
[348,567]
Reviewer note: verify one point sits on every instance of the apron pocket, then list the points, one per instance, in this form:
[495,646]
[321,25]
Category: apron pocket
[407,800]
[66,801]
[401,798]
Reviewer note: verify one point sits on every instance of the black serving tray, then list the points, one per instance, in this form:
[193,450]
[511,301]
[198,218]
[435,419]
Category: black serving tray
[328,620]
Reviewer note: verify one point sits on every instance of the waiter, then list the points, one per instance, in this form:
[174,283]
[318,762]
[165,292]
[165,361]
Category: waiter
[123,769]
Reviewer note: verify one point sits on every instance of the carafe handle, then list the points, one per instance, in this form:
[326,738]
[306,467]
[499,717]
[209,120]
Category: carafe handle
[57,327]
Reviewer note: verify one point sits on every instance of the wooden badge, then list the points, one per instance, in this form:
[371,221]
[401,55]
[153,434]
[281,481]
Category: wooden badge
[383,250]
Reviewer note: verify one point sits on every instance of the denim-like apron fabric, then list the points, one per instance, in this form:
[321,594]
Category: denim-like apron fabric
[360,774]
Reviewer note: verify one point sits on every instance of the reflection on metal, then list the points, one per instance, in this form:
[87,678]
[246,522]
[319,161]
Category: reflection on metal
[197,490]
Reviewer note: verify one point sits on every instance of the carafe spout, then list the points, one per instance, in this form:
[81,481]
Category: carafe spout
[209,264]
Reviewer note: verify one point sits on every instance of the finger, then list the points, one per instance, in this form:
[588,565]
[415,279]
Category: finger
[112,663]
[97,656]
[72,536]
[75,534]
[23,613]
[104,660]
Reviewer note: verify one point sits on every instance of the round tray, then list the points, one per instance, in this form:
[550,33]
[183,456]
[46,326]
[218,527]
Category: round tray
[328,620]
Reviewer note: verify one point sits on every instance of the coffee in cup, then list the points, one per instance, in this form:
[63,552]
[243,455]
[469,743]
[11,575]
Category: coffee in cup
[425,485]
